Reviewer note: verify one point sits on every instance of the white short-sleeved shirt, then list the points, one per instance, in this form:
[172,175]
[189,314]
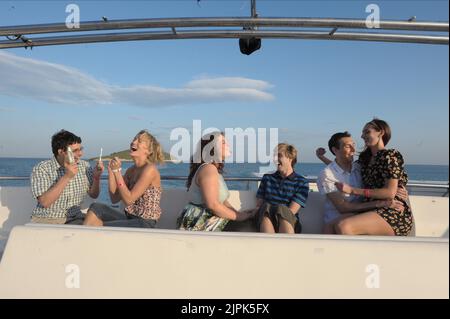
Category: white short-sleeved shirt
[326,184]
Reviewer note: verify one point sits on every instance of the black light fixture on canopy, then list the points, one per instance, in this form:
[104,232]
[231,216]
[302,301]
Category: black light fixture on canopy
[249,45]
[252,44]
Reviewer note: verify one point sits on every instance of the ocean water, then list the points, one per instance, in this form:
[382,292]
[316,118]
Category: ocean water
[24,166]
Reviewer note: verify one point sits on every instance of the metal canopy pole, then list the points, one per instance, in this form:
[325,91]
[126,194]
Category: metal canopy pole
[224,34]
[253,9]
[224,22]
[18,36]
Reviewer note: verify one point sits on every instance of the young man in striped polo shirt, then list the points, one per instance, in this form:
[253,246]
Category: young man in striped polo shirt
[281,194]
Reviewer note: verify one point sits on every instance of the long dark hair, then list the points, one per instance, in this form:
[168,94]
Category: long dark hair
[198,159]
[378,125]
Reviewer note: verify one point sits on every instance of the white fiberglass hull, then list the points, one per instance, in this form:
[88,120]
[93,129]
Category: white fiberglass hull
[45,261]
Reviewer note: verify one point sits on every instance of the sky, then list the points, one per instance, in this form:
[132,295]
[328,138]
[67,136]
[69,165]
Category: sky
[308,89]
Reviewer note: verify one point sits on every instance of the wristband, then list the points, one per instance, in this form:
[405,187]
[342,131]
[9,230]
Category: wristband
[117,170]
[366,193]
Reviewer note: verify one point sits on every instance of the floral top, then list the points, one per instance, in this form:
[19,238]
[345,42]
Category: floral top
[388,164]
[148,205]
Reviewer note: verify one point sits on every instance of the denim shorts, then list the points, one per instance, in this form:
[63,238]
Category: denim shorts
[114,218]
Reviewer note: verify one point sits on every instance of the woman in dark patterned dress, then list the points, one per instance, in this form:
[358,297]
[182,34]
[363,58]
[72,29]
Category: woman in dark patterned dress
[383,173]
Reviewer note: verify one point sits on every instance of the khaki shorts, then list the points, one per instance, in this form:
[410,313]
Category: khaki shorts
[76,220]
[275,212]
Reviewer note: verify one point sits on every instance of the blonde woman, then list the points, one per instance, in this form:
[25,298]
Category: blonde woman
[139,189]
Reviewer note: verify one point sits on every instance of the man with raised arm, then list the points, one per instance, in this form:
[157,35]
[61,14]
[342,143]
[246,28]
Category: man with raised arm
[60,184]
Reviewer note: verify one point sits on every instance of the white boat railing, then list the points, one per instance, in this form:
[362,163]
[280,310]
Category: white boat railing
[430,186]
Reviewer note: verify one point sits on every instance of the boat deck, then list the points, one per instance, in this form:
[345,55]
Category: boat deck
[61,261]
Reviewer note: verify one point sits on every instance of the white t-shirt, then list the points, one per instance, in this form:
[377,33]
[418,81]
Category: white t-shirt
[325,182]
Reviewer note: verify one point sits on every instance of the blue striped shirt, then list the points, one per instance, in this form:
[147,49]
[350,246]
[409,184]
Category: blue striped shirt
[276,190]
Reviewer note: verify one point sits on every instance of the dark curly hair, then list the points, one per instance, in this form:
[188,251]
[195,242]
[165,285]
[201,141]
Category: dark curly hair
[62,139]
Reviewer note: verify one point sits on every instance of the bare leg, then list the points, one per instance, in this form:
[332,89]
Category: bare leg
[92,220]
[285,227]
[267,226]
[329,228]
[369,223]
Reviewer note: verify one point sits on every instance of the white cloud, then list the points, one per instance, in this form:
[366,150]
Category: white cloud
[25,77]
[229,82]
[56,83]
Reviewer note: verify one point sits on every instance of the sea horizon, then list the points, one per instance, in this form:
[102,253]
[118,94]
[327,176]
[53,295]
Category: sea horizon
[22,167]
[175,161]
